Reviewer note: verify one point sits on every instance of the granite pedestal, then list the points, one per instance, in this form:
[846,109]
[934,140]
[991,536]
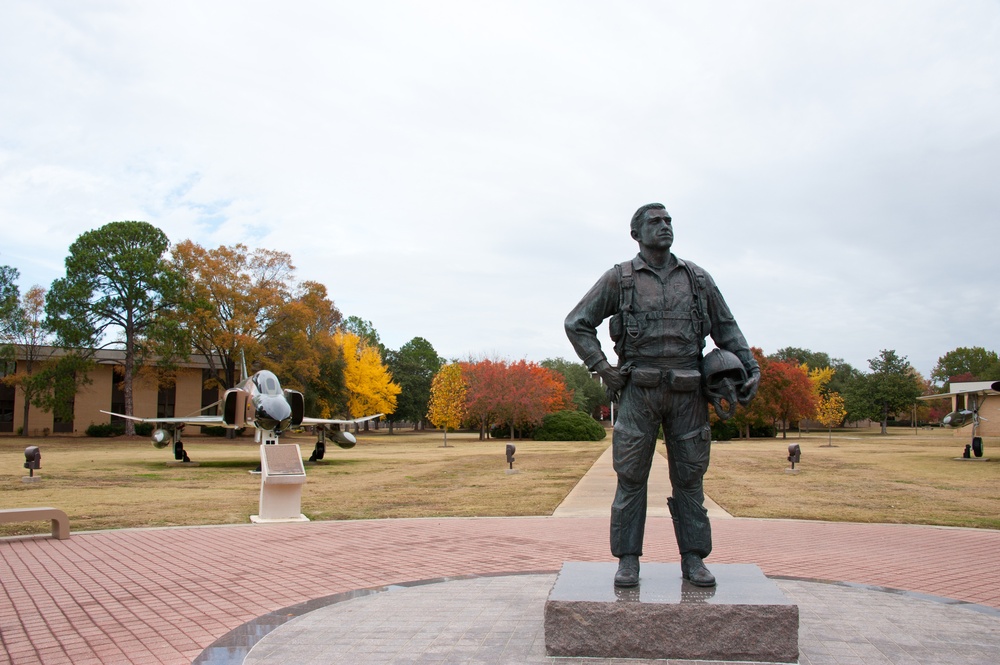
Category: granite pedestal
[745,618]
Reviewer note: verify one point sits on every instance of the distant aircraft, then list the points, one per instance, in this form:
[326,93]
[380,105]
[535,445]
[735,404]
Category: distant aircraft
[975,398]
[256,401]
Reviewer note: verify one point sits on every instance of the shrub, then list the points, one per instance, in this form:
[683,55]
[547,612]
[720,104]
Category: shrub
[213,430]
[503,432]
[144,429]
[569,426]
[763,431]
[723,430]
[105,429]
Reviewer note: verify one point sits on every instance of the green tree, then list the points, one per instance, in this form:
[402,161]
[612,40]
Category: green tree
[891,386]
[588,394]
[798,356]
[366,331]
[10,297]
[976,361]
[413,367]
[26,336]
[116,288]
[843,372]
[447,403]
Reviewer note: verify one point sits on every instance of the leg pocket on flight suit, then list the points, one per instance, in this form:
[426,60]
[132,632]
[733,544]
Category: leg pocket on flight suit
[691,453]
[631,452]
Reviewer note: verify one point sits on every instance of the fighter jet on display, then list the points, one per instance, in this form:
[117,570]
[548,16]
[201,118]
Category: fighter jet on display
[260,402]
[975,396]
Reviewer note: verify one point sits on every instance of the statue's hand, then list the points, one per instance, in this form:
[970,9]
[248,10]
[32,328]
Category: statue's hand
[749,389]
[612,379]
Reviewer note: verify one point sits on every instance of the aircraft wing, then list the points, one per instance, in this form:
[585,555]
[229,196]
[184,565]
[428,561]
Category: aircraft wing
[334,421]
[994,389]
[190,420]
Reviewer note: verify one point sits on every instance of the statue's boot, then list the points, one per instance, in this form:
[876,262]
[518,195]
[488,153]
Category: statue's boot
[692,563]
[628,571]
[694,571]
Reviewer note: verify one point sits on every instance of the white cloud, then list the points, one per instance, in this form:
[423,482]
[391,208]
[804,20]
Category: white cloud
[465,171]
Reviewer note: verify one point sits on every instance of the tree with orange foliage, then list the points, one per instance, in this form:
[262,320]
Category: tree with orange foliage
[235,298]
[303,351]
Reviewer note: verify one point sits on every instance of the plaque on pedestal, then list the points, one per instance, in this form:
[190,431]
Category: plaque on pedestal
[281,479]
[745,618]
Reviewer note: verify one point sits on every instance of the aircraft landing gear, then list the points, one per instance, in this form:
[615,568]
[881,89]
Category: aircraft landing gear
[179,453]
[320,450]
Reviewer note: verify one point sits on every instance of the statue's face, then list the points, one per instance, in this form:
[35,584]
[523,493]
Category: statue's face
[656,230]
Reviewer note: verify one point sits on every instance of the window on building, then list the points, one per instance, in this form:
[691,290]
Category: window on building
[209,393]
[7,398]
[117,396]
[165,400]
[60,426]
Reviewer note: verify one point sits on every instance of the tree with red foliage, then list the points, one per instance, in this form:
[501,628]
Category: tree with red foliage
[786,393]
[519,394]
[531,393]
[484,380]
[759,412]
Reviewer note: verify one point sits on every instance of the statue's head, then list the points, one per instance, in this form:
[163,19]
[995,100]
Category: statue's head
[655,210]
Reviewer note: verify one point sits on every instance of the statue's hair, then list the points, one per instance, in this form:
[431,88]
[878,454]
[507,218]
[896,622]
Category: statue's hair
[637,217]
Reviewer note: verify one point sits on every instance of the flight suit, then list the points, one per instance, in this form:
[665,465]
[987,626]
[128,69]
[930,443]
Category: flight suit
[660,319]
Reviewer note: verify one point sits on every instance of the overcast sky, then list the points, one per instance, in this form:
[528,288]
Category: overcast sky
[465,171]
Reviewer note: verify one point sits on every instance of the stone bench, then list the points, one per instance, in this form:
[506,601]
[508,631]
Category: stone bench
[60,522]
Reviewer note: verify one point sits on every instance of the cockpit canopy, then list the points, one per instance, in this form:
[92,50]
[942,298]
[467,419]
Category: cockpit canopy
[266,383]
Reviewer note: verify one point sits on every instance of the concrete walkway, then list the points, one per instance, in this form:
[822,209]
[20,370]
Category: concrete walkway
[593,495]
[165,595]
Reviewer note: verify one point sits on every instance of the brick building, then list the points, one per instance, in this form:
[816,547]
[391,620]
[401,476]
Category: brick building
[181,394]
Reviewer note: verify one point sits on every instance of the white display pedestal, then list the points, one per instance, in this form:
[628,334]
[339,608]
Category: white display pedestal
[282,475]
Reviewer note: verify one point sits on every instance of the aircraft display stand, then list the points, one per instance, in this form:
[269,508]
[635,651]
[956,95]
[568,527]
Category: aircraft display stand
[282,475]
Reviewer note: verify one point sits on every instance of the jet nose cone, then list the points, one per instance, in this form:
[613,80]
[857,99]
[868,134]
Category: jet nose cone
[274,413]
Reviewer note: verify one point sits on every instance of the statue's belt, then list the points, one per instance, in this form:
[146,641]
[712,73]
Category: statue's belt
[674,379]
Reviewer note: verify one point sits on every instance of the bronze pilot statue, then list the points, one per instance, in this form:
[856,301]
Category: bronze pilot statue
[661,310]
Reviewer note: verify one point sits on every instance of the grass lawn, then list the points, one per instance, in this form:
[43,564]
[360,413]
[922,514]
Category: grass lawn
[118,482]
[865,477]
[111,483]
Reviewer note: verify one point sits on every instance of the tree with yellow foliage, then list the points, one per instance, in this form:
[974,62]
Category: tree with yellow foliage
[447,405]
[819,377]
[830,409]
[369,384]
[831,412]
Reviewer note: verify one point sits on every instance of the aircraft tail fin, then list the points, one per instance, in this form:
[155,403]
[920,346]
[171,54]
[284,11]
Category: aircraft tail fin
[243,367]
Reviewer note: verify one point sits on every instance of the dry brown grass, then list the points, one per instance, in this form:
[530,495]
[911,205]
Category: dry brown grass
[112,483]
[865,477]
